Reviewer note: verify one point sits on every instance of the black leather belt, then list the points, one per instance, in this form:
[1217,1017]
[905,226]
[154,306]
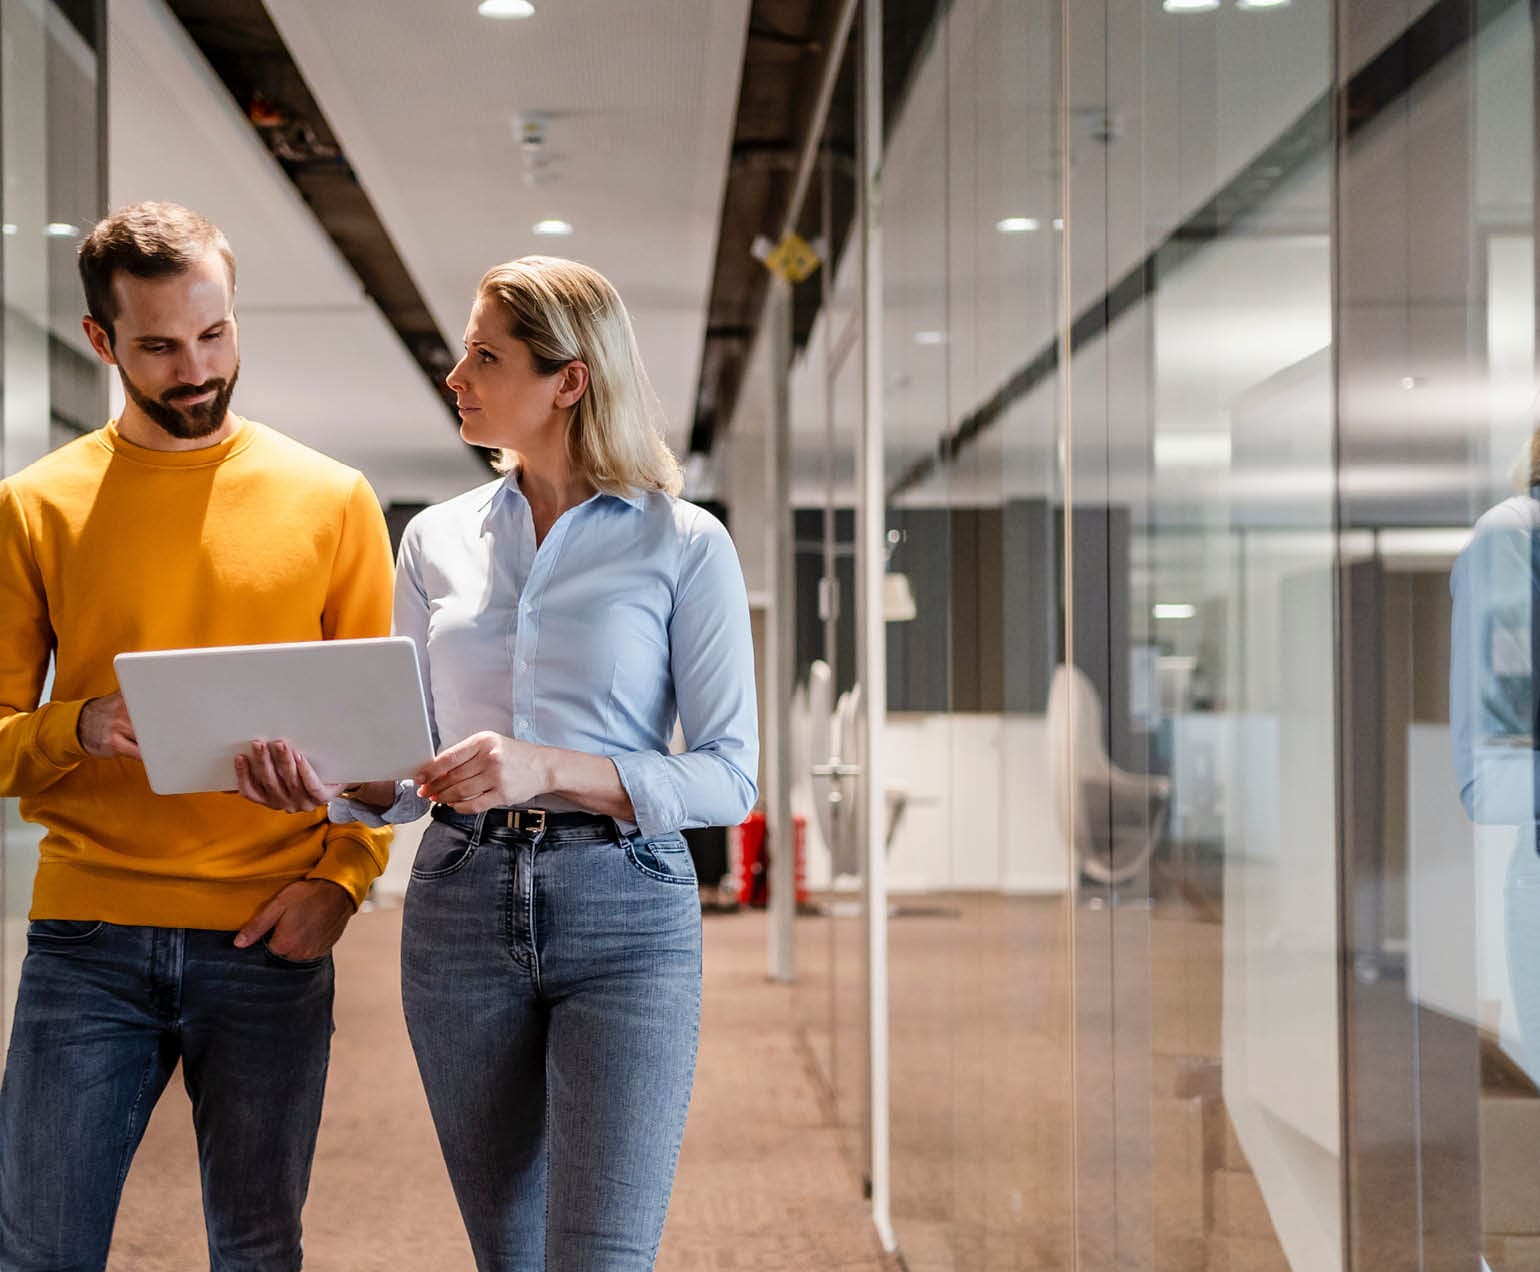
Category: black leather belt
[533,820]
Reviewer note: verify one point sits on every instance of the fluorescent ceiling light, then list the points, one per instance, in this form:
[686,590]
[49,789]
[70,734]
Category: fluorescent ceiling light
[1189,6]
[61,229]
[552,228]
[1261,4]
[506,9]
[1175,611]
[930,337]
[1192,450]
[7,228]
[1016,224]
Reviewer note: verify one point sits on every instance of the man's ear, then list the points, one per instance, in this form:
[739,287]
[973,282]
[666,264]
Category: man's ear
[100,340]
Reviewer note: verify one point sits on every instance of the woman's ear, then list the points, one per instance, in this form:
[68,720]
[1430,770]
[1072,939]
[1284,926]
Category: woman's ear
[572,385]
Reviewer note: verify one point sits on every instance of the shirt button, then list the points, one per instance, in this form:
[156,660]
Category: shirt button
[523,664]
[524,723]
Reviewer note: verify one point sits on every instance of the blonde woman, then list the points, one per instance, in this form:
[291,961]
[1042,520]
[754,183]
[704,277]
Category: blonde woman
[551,942]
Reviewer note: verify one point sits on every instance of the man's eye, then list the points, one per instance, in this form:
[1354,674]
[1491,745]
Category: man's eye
[214,335]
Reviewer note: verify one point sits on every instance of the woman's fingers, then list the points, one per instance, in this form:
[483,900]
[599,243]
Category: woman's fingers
[479,749]
[318,790]
[277,794]
[474,770]
[244,783]
[470,787]
[288,770]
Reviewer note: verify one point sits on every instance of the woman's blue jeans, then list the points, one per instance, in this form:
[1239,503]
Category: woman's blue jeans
[103,1014]
[552,985]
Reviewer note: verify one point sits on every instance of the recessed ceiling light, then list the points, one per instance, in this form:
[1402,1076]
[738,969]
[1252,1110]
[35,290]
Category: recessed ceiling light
[1413,381]
[1175,611]
[61,229]
[506,9]
[1058,222]
[1016,224]
[552,228]
[1260,4]
[1189,6]
[7,228]
[930,337]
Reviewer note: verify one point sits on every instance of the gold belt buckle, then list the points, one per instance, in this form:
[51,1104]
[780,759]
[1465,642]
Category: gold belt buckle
[532,819]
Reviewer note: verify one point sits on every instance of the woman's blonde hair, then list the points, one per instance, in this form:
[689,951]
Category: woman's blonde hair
[568,312]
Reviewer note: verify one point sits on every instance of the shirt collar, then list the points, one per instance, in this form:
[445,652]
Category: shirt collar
[508,489]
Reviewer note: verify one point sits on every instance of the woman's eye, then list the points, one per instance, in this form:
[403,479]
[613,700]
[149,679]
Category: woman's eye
[485,356]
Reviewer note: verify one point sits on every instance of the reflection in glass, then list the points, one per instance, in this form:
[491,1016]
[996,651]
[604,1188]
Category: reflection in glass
[51,386]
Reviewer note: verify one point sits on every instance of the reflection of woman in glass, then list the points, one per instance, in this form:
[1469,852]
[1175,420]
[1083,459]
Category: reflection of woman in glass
[1492,715]
[551,941]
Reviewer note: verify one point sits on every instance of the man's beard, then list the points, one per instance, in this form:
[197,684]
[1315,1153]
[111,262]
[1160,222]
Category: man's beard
[188,422]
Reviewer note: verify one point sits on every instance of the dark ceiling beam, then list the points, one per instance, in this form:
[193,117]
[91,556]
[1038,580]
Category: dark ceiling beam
[246,51]
[785,61]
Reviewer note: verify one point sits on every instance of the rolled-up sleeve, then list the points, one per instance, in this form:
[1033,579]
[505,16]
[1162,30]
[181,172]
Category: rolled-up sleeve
[711,654]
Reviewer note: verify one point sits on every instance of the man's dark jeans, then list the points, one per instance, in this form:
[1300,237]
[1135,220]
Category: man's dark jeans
[103,1015]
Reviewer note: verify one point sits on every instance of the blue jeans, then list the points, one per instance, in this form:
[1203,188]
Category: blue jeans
[102,1016]
[552,984]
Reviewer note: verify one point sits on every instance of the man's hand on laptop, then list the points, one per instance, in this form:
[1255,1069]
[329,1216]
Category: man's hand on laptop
[105,730]
[302,921]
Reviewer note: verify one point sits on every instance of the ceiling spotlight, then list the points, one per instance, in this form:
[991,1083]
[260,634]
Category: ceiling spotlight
[1058,222]
[506,9]
[552,228]
[1016,224]
[1189,6]
[930,337]
[61,229]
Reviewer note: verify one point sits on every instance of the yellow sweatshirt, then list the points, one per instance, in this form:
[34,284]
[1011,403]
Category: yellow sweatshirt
[106,547]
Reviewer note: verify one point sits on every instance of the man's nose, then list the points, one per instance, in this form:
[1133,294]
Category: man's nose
[192,367]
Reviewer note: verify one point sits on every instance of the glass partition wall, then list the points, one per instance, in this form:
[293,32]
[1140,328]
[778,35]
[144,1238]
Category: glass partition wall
[52,169]
[1209,407]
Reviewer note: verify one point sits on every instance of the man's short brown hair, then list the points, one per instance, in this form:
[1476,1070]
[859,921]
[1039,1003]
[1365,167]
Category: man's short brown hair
[147,240]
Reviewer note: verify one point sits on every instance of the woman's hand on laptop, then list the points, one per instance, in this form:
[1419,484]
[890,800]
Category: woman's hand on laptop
[485,771]
[276,775]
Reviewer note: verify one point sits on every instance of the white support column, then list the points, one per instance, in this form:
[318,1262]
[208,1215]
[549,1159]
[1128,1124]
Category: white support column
[872,651]
[782,639]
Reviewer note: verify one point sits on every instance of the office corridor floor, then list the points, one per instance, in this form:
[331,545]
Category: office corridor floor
[761,1185]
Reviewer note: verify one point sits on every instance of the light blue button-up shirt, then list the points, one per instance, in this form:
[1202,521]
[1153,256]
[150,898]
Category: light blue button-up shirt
[631,613]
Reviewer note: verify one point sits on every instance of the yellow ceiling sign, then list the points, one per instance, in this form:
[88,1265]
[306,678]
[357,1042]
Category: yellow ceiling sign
[793,258]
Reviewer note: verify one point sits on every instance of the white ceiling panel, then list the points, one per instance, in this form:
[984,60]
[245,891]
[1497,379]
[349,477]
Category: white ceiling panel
[319,362]
[639,101]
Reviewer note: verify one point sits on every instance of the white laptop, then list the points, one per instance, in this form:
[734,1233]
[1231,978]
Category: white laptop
[354,707]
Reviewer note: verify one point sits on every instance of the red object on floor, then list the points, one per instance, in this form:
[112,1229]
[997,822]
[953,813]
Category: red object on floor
[754,860]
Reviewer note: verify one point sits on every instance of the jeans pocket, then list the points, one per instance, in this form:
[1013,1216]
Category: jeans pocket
[64,931]
[298,964]
[666,858]
[443,851]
